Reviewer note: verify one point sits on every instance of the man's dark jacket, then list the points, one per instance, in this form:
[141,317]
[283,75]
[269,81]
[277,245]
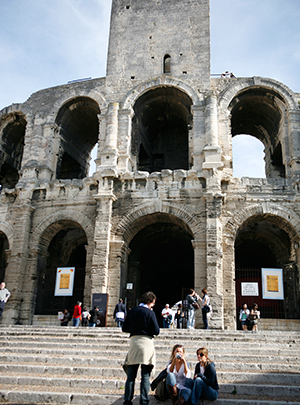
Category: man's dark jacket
[141,321]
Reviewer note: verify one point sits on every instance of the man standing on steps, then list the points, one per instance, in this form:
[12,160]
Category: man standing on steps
[4,295]
[142,325]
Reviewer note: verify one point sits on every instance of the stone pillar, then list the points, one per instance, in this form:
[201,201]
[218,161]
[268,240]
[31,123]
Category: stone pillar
[87,297]
[229,296]
[124,138]
[101,138]
[109,152]
[294,130]
[212,151]
[116,264]
[214,253]
[200,275]
[15,273]
[99,272]
[198,135]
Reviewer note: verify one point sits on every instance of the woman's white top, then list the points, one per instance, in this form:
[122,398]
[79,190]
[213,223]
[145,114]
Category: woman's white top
[180,376]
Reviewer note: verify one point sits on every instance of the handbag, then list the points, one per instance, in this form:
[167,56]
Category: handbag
[195,305]
[206,308]
[161,392]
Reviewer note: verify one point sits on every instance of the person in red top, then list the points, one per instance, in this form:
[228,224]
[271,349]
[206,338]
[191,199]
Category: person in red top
[77,314]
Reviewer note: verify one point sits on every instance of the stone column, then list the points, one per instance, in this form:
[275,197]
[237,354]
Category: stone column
[101,138]
[229,296]
[116,265]
[212,151]
[109,153]
[200,276]
[294,137]
[99,271]
[198,135]
[124,138]
[214,253]
[15,273]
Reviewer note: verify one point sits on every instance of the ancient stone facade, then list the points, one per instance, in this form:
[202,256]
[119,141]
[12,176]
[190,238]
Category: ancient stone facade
[162,210]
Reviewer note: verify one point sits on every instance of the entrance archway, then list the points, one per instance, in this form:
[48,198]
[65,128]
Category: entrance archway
[3,258]
[262,243]
[65,247]
[161,260]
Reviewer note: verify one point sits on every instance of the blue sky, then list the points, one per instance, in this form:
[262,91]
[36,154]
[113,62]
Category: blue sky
[48,43]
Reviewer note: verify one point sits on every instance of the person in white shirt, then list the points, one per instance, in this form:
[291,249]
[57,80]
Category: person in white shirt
[4,295]
[166,313]
[178,371]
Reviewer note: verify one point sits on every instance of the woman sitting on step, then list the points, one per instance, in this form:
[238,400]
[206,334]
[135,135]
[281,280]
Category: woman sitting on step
[178,371]
[205,384]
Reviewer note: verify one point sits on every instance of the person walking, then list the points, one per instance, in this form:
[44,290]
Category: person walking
[120,313]
[4,295]
[142,325]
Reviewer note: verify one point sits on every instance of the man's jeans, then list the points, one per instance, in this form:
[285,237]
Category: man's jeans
[145,383]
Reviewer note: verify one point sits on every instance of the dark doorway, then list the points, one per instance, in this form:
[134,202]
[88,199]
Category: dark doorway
[3,260]
[261,243]
[66,249]
[162,261]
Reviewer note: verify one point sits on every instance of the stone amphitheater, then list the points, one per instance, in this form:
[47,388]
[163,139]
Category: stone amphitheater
[162,211]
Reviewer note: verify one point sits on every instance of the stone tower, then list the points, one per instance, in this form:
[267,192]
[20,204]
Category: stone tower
[162,212]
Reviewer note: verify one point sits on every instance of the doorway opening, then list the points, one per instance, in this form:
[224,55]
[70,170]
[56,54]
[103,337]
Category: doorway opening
[162,261]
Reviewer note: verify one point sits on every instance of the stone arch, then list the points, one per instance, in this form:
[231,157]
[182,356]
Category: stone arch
[257,107]
[40,231]
[238,85]
[78,124]
[161,81]
[132,223]
[289,220]
[8,231]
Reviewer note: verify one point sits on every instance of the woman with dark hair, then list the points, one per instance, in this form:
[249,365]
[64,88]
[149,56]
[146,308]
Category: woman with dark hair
[178,371]
[192,304]
[205,384]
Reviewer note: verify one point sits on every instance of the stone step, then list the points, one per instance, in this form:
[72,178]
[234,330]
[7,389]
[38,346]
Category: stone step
[97,354]
[31,395]
[116,377]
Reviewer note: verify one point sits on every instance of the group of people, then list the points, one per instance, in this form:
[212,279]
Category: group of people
[192,300]
[87,318]
[141,323]
[249,318]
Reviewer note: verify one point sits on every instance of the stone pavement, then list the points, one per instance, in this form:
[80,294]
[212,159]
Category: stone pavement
[41,365]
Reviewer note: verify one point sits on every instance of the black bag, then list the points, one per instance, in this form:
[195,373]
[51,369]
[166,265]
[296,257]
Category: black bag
[161,392]
[206,308]
[162,375]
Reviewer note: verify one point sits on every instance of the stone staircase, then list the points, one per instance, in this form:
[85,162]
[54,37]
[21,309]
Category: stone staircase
[64,365]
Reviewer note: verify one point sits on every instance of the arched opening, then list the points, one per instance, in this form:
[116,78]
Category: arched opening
[79,128]
[3,255]
[12,135]
[263,242]
[167,64]
[65,244]
[160,130]
[259,112]
[161,260]
[248,157]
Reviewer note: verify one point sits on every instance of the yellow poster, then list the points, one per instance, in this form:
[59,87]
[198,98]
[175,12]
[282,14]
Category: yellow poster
[272,283]
[64,281]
